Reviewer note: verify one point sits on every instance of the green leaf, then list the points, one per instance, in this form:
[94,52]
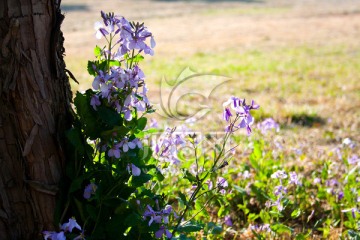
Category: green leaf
[76,184]
[281,228]
[265,216]
[303,236]
[97,51]
[137,181]
[114,63]
[141,124]
[87,114]
[190,227]
[241,190]
[296,213]
[189,176]
[216,230]
[221,211]
[256,155]
[109,116]
[75,138]
[159,176]
[92,212]
[252,217]
[90,68]
[183,198]
[133,220]
[354,235]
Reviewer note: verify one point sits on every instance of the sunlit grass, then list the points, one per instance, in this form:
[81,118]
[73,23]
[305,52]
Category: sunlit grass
[286,81]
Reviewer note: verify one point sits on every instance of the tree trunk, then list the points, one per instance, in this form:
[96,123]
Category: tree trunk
[34,113]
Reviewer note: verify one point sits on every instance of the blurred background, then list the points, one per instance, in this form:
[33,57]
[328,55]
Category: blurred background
[300,60]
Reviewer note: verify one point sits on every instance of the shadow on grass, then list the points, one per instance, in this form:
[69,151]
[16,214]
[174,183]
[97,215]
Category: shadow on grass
[306,120]
[74,7]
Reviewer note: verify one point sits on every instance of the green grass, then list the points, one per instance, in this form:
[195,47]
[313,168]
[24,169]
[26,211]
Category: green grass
[286,81]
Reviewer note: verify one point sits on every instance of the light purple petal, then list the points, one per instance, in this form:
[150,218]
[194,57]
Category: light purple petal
[135,170]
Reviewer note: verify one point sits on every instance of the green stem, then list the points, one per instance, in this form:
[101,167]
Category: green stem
[132,58]
[109,55]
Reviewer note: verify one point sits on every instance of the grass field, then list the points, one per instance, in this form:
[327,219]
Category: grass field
[300,60]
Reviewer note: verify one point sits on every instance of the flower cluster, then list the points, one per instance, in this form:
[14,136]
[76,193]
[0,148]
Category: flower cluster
[123,87]
[166,147]
[90,190]
[242,113]
[267,125]
[131,35]
[281,190]
[65,228]
[161,217]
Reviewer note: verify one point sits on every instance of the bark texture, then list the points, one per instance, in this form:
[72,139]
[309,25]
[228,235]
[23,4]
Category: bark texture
[34,112]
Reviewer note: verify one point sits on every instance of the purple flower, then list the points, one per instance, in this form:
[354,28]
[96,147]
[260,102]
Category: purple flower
[126,145]
[154,123]
[279,190]
[100,30]
[242,111]
[267,125]
[260,228]
[353,210]
[227,220]
[54,235]
[115,151]
[246,174]
[209,183]
[90,190]
[340,195]
[163,231]
[279,174]
[317,180]
[222,183]
[294,178]
[227,114]
[94,102]
[354,159]
[69,226]
[134,170]
[348,142]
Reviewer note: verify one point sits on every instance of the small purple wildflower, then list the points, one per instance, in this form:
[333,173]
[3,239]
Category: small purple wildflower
[242,112]
[94,102]
[227,114]
[267,125]
[90,190]
[349,143]
[353,159]
[134,170]
[163,231]
[227,221]
[294,178]
[115,151]
[279,174]
[260,228]
[70,225]
[353,210]
[317,180]
[340,195]
[54,235]
[279,190]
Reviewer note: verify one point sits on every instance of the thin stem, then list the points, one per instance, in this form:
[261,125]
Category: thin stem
[205,204]
[109,55]
[132,58]
[196,160]
[193,195]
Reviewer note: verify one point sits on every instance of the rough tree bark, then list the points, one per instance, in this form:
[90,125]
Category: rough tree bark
[34,112]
